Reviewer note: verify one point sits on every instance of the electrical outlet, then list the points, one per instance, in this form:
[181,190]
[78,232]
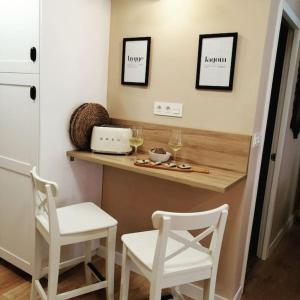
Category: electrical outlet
[168,109]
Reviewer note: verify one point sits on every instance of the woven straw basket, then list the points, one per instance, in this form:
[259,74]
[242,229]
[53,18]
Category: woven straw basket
[83,119]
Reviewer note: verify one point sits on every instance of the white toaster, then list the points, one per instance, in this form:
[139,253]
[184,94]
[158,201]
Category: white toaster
[114,140]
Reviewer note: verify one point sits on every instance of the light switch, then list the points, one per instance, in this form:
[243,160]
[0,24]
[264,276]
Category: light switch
[256,140]
[169,109]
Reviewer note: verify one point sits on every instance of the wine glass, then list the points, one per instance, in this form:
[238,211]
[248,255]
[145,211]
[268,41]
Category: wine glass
[137,138]
[175,142]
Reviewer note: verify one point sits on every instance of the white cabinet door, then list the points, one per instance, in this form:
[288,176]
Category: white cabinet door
[19,144]
[19,32]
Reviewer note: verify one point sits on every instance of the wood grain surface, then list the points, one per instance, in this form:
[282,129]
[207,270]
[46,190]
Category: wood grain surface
[218,180]
[174,169]
[207,148]
[274,279]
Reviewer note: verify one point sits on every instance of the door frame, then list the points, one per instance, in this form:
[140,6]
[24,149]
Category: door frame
[281,10]
[269,207]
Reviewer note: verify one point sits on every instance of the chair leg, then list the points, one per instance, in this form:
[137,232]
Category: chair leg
[87,259]
[125,276]
[176,294]
[37,263]
[54,260]
[155,292]
[110,262]
[209,289]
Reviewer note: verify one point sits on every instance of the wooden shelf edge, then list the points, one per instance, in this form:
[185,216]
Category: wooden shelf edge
[197,180]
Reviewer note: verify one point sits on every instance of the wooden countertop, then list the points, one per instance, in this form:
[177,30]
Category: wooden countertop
[218,180]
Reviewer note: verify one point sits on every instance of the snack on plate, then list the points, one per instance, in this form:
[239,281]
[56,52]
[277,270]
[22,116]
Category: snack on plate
[159,150]
[170,165]
[152,163]
[142,161]
[184,166]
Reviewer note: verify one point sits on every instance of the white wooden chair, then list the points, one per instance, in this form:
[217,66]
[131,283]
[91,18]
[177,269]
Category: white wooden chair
[77,223]
[171,256]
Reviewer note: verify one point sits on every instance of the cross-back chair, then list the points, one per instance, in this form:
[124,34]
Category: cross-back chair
[76,223]
[171,256]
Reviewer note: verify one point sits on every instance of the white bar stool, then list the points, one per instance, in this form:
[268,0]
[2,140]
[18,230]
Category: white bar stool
[171,256]
[77,223]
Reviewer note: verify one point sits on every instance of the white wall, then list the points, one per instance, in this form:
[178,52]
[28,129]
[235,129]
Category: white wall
[74,64]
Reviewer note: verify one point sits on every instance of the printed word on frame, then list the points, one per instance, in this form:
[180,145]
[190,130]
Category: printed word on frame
[216,61]
[135,64]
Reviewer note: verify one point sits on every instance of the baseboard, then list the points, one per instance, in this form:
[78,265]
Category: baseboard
[15,260]
[66,265]
[281,234]
[118,258]
[196,292]
[26,266]
[238,294]
[189,290]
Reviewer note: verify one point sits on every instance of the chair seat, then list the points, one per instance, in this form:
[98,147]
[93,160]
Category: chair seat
[79,218]
[142,246]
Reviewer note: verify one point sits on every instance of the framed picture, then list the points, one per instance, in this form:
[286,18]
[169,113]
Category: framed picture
[135,63]
[216,61]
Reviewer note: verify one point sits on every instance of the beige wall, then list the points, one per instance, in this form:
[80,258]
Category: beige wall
[174,26]
[135,206]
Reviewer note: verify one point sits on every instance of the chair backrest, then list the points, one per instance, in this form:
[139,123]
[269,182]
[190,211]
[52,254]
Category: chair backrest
[211,222]
[45,194]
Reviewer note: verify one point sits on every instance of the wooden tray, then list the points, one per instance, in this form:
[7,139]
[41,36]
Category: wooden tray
[176,169]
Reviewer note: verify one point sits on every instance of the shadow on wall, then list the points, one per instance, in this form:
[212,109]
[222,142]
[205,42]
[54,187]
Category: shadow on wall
[297,199]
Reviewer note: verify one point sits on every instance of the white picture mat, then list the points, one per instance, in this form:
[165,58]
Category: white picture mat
[216,73]
[135,70]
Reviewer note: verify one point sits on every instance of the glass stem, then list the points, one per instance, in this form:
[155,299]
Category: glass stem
[175,156]
[135,150]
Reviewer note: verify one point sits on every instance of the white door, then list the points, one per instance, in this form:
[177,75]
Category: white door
[271,196]
[19,36]
[19,144]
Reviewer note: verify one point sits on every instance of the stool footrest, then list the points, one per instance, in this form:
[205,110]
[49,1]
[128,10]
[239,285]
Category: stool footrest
[71,294]
[40,290]
[82,290]
[95,271]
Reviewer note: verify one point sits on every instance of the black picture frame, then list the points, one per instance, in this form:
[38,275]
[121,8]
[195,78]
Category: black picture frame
[222,68]
[144,79]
